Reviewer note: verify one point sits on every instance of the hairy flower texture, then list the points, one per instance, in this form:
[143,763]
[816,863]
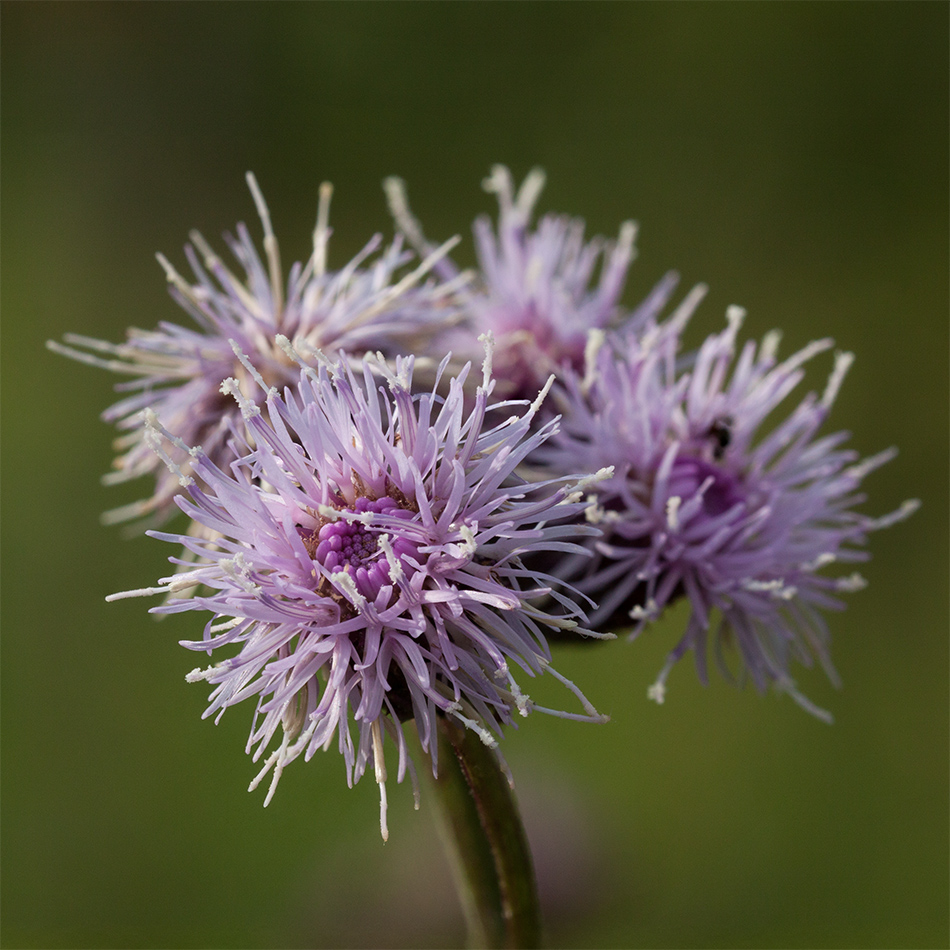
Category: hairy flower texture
[539,291]
[368,565]
[702,504]
[373,304]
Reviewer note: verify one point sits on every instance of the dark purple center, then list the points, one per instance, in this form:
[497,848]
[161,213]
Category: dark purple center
[690,473]
[354,548]
[524,363]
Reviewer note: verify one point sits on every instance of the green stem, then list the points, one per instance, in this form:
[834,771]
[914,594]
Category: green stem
[485,841]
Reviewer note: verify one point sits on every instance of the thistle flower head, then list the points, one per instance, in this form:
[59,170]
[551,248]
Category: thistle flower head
[537,298]
[367,566]
[706,504]
[539,290]
[374,303]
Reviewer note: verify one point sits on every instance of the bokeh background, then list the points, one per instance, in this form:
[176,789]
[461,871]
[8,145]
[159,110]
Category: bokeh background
[793,156]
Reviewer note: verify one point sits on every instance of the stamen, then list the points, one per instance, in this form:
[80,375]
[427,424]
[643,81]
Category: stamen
[672,512]
[173,277]
[114,366]
[522,701]
[786,685]
[592,347]
[396,574]
[777,588]
[246,363]
[529,191]
[141,592]
[488,341]
[843,363]
[851,584]
[863,468]
[379,765]
[769,346]
[231,387]
[805,354]
[395,189]
[735,316]
[226,625]
[153,435]
[239,571]
[125,512]
[545,389]
[487,738]
[290,351]
[415,276]
[321,233]
[657,692]
[345,583]
[198,674]
[684,312]
[822,560]
[647,612]
[626,237]
[592,714]
[227,279]
[270,244]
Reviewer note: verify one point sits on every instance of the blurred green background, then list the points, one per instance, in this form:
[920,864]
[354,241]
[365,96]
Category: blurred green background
[793,156]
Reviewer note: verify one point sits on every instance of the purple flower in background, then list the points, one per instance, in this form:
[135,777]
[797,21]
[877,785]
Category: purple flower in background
[705,505]
[367,564]
[372,304]
[539,291]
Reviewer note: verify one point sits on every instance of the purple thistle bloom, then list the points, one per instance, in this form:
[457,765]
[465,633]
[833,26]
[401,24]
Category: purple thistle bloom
[702,504]
[536,291]
[177,371]
[367,564]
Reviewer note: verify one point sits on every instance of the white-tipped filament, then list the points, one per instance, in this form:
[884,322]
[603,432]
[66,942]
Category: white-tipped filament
[270,243]
[379,766]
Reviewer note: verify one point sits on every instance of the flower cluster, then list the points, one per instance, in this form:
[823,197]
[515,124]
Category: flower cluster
[382,536]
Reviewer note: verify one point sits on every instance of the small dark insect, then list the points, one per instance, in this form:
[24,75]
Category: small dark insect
[721,432]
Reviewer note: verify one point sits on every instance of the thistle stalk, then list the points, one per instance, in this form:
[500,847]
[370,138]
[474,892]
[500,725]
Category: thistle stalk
[485,842]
